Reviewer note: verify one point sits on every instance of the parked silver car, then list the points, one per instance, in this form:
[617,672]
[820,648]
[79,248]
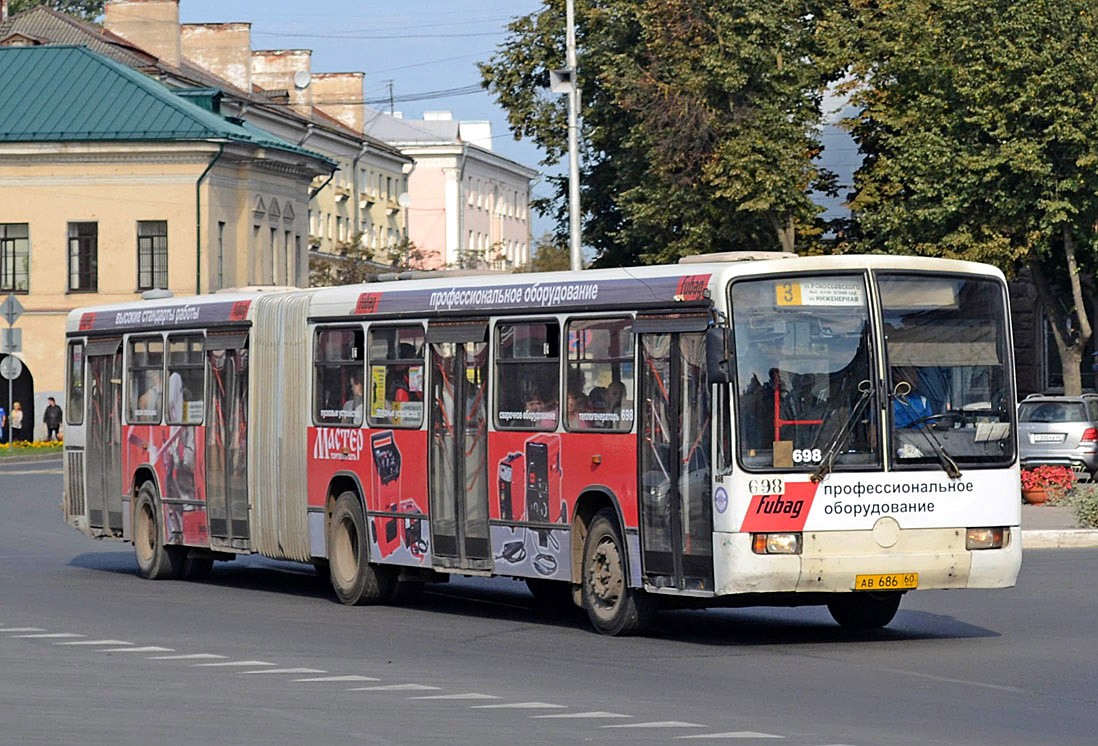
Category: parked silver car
[1059,431]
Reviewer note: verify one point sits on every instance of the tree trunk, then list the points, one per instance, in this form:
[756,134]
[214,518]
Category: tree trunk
[1070,349]
[787,235]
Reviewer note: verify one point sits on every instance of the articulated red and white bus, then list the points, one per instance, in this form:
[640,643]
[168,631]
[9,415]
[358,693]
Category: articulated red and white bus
[731,431]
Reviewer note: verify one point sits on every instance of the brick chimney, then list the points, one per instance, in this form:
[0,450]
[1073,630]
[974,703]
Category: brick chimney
[225,49]
[3,10]
[152,25]
[340,95]
[289,70]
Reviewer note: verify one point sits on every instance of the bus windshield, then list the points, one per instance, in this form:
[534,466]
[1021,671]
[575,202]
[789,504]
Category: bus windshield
[803,377]
[946,347]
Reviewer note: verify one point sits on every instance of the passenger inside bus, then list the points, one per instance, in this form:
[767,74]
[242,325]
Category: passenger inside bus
[911,409]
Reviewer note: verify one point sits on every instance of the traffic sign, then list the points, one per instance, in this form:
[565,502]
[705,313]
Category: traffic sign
[11,367]
[11,309]
[11,340]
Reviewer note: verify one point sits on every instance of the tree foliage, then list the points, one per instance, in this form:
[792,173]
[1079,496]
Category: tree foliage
[549,255]
[698,120]
[354,263]
[89,10]
[978,126]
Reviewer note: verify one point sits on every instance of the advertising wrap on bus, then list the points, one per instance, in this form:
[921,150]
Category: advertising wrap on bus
[856,501]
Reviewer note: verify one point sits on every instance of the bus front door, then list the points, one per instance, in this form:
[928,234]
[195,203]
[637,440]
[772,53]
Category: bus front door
[104,436]
[674,432]
[458,447]
[227,439]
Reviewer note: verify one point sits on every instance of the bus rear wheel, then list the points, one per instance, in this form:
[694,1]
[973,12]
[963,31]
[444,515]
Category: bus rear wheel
[354,579]
[155,560]
[612,606]
[861,611]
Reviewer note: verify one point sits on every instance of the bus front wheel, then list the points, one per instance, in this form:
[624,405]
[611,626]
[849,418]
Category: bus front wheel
[612,606]
[861,611]
[354,579]
[155,559]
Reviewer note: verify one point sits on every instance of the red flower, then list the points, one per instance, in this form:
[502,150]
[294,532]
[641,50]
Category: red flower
[1048,477]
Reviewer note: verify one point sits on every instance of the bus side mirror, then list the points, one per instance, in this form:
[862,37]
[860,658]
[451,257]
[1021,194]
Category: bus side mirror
[718,355]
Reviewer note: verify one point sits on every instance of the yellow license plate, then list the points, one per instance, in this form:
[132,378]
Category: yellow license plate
[896,581]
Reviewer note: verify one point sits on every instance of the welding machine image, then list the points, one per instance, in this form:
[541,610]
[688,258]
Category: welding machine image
[414,540]
[510,473]
[543,477]
[386,530]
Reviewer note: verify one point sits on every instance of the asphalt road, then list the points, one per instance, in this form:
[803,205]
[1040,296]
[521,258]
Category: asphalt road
[261,653]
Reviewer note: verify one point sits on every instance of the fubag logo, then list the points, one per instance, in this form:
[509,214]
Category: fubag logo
[786,512]
[334,444]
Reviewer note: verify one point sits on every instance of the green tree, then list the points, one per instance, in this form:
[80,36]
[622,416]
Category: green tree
[699,120]
[549,255]
[354,263]
[89,10]
[978,123]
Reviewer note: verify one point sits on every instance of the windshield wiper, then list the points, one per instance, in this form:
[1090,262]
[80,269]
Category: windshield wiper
[948,464]
[832,450]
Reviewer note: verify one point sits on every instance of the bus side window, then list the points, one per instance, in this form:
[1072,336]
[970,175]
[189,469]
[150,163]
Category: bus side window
[600,375]
[186,379]
[74,409]
[396,376]
[338,361]
[527,375]
[146,380]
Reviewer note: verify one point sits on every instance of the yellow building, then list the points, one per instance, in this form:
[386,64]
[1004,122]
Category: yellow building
[111,184]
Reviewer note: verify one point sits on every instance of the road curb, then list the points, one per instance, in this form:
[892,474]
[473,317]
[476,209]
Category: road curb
[1076,538]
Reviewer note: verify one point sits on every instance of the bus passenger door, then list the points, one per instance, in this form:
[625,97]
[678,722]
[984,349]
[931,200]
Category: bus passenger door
[227,439]
[104,436]
[674,433]
[458,446]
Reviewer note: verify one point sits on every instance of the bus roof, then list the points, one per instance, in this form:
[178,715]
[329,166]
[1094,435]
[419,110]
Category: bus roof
[688,285]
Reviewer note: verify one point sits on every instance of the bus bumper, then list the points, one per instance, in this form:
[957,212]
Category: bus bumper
[830,561]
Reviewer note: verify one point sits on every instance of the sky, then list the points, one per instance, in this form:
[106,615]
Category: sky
[422,46]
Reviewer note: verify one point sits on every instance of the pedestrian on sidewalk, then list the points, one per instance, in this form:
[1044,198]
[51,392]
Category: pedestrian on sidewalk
[52,418]
[17,433]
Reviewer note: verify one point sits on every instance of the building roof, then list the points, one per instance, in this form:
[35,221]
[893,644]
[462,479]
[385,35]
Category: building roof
[389,128]
[63,93]
[49,26]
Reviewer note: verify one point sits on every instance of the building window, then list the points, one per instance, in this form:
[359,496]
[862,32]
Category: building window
[527,375]
[14,257]
[83,256]
[337,396]
[152,254]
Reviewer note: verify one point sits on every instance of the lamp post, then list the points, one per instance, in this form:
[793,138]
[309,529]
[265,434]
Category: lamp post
[564,81]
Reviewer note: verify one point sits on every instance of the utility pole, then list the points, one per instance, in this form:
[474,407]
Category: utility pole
[573,145]
[390,84]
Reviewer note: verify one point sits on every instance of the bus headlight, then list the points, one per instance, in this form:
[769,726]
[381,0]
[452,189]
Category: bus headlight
[776,543]
[985,538]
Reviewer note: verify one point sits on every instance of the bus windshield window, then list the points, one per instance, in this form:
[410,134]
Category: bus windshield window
[802,363]
[946,346]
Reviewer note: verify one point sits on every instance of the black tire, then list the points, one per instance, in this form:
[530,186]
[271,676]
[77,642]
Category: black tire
[862,611]
[155,560]
[551,595]
[612,606]
[354,579]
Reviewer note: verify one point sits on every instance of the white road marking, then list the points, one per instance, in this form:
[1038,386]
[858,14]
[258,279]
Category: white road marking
[249,664]
[95,642]
[595,714]
[145,649]
[734,734]
[340,678]
[657,724]
[5,472]
[285,670]
[48,634]
[466,695]
[520,706]
[188,657]
[395,688]
[947,680]
[22,629]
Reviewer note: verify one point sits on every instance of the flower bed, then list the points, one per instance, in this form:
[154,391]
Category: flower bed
[1046,483]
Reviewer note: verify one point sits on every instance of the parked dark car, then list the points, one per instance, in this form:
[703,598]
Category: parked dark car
[1059,431]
